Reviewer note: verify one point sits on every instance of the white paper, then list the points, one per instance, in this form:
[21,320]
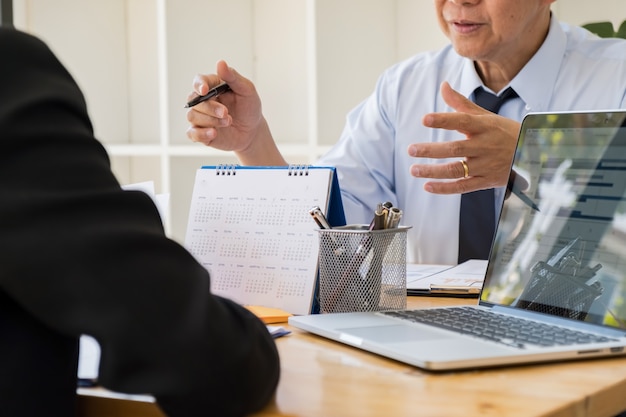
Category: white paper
[277,331]
[88,358]
[468,274]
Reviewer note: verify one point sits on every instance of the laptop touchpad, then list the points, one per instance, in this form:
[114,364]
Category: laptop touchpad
[393,334]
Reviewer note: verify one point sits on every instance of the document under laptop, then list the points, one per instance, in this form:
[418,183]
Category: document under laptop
[556,278]
[463,280]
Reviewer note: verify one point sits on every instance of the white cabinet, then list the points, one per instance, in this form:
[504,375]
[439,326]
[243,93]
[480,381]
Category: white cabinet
[311,60]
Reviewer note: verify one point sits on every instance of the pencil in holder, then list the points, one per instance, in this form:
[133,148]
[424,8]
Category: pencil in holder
[361,269]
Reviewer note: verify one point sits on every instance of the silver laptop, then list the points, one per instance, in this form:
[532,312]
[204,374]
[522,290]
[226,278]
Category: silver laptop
[555,286]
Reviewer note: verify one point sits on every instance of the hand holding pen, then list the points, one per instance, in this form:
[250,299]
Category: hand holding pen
[213,92]
[235,121]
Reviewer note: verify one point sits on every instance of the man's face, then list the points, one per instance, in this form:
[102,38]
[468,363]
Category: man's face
[494,30]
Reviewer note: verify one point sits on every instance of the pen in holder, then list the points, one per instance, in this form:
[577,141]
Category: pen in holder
[362,269]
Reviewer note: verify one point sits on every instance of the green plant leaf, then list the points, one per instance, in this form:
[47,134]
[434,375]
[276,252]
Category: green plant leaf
[621,32]
[602,29]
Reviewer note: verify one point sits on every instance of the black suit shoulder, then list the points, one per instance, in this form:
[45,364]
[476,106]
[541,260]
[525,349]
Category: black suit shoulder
[78,255]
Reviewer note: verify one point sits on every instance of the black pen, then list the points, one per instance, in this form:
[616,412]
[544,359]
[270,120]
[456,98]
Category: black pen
[213,92]
[319,218]
[516,190]
[525,198]
[378,222]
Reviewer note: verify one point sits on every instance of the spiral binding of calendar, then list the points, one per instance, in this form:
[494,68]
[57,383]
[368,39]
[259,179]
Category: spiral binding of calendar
[226,169]
[298,170]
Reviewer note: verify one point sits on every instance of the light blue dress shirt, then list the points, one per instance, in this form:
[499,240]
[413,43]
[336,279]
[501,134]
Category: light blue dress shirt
[573,70]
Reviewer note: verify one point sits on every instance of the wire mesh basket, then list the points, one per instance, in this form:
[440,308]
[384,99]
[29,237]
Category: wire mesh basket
[362,270]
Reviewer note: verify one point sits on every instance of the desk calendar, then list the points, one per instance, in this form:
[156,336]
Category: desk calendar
[251,228]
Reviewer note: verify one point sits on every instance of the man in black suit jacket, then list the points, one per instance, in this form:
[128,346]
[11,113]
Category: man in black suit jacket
[78,255]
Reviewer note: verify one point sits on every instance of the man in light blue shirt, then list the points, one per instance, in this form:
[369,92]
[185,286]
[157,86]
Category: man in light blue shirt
[404,142]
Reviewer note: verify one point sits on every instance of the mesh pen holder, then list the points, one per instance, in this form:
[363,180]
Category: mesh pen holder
[362,270]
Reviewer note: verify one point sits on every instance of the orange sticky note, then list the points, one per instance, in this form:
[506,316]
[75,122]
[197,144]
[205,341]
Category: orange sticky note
[269,314]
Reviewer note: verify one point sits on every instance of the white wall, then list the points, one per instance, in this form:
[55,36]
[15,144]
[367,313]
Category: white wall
[579,12]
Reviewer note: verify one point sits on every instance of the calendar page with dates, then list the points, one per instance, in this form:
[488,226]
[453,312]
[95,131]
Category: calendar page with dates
[251,228]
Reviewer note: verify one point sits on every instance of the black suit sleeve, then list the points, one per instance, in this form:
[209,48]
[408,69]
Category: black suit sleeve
[82,256]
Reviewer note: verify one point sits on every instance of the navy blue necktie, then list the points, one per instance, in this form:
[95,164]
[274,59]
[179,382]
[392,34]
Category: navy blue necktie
[477,217]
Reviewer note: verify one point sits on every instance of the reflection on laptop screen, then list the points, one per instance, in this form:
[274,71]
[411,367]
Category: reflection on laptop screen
[561,248]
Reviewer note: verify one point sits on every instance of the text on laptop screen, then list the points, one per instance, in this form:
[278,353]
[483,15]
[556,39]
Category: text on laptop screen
[561,248]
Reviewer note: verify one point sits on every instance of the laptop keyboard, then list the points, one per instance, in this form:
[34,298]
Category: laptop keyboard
[512,331]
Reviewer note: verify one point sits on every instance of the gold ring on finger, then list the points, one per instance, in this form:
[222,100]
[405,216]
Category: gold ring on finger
[465,168]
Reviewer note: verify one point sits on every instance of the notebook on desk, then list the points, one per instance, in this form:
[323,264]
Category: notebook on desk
[556,276]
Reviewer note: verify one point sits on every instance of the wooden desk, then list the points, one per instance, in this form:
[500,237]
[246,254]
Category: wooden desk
[323,378]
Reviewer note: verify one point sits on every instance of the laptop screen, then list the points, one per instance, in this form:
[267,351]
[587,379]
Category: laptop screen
[560,245]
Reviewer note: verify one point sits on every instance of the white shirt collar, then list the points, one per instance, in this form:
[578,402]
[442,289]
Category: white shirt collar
[536,81]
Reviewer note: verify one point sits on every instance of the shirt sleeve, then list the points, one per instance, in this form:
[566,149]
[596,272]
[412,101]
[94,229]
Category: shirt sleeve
[365,153]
